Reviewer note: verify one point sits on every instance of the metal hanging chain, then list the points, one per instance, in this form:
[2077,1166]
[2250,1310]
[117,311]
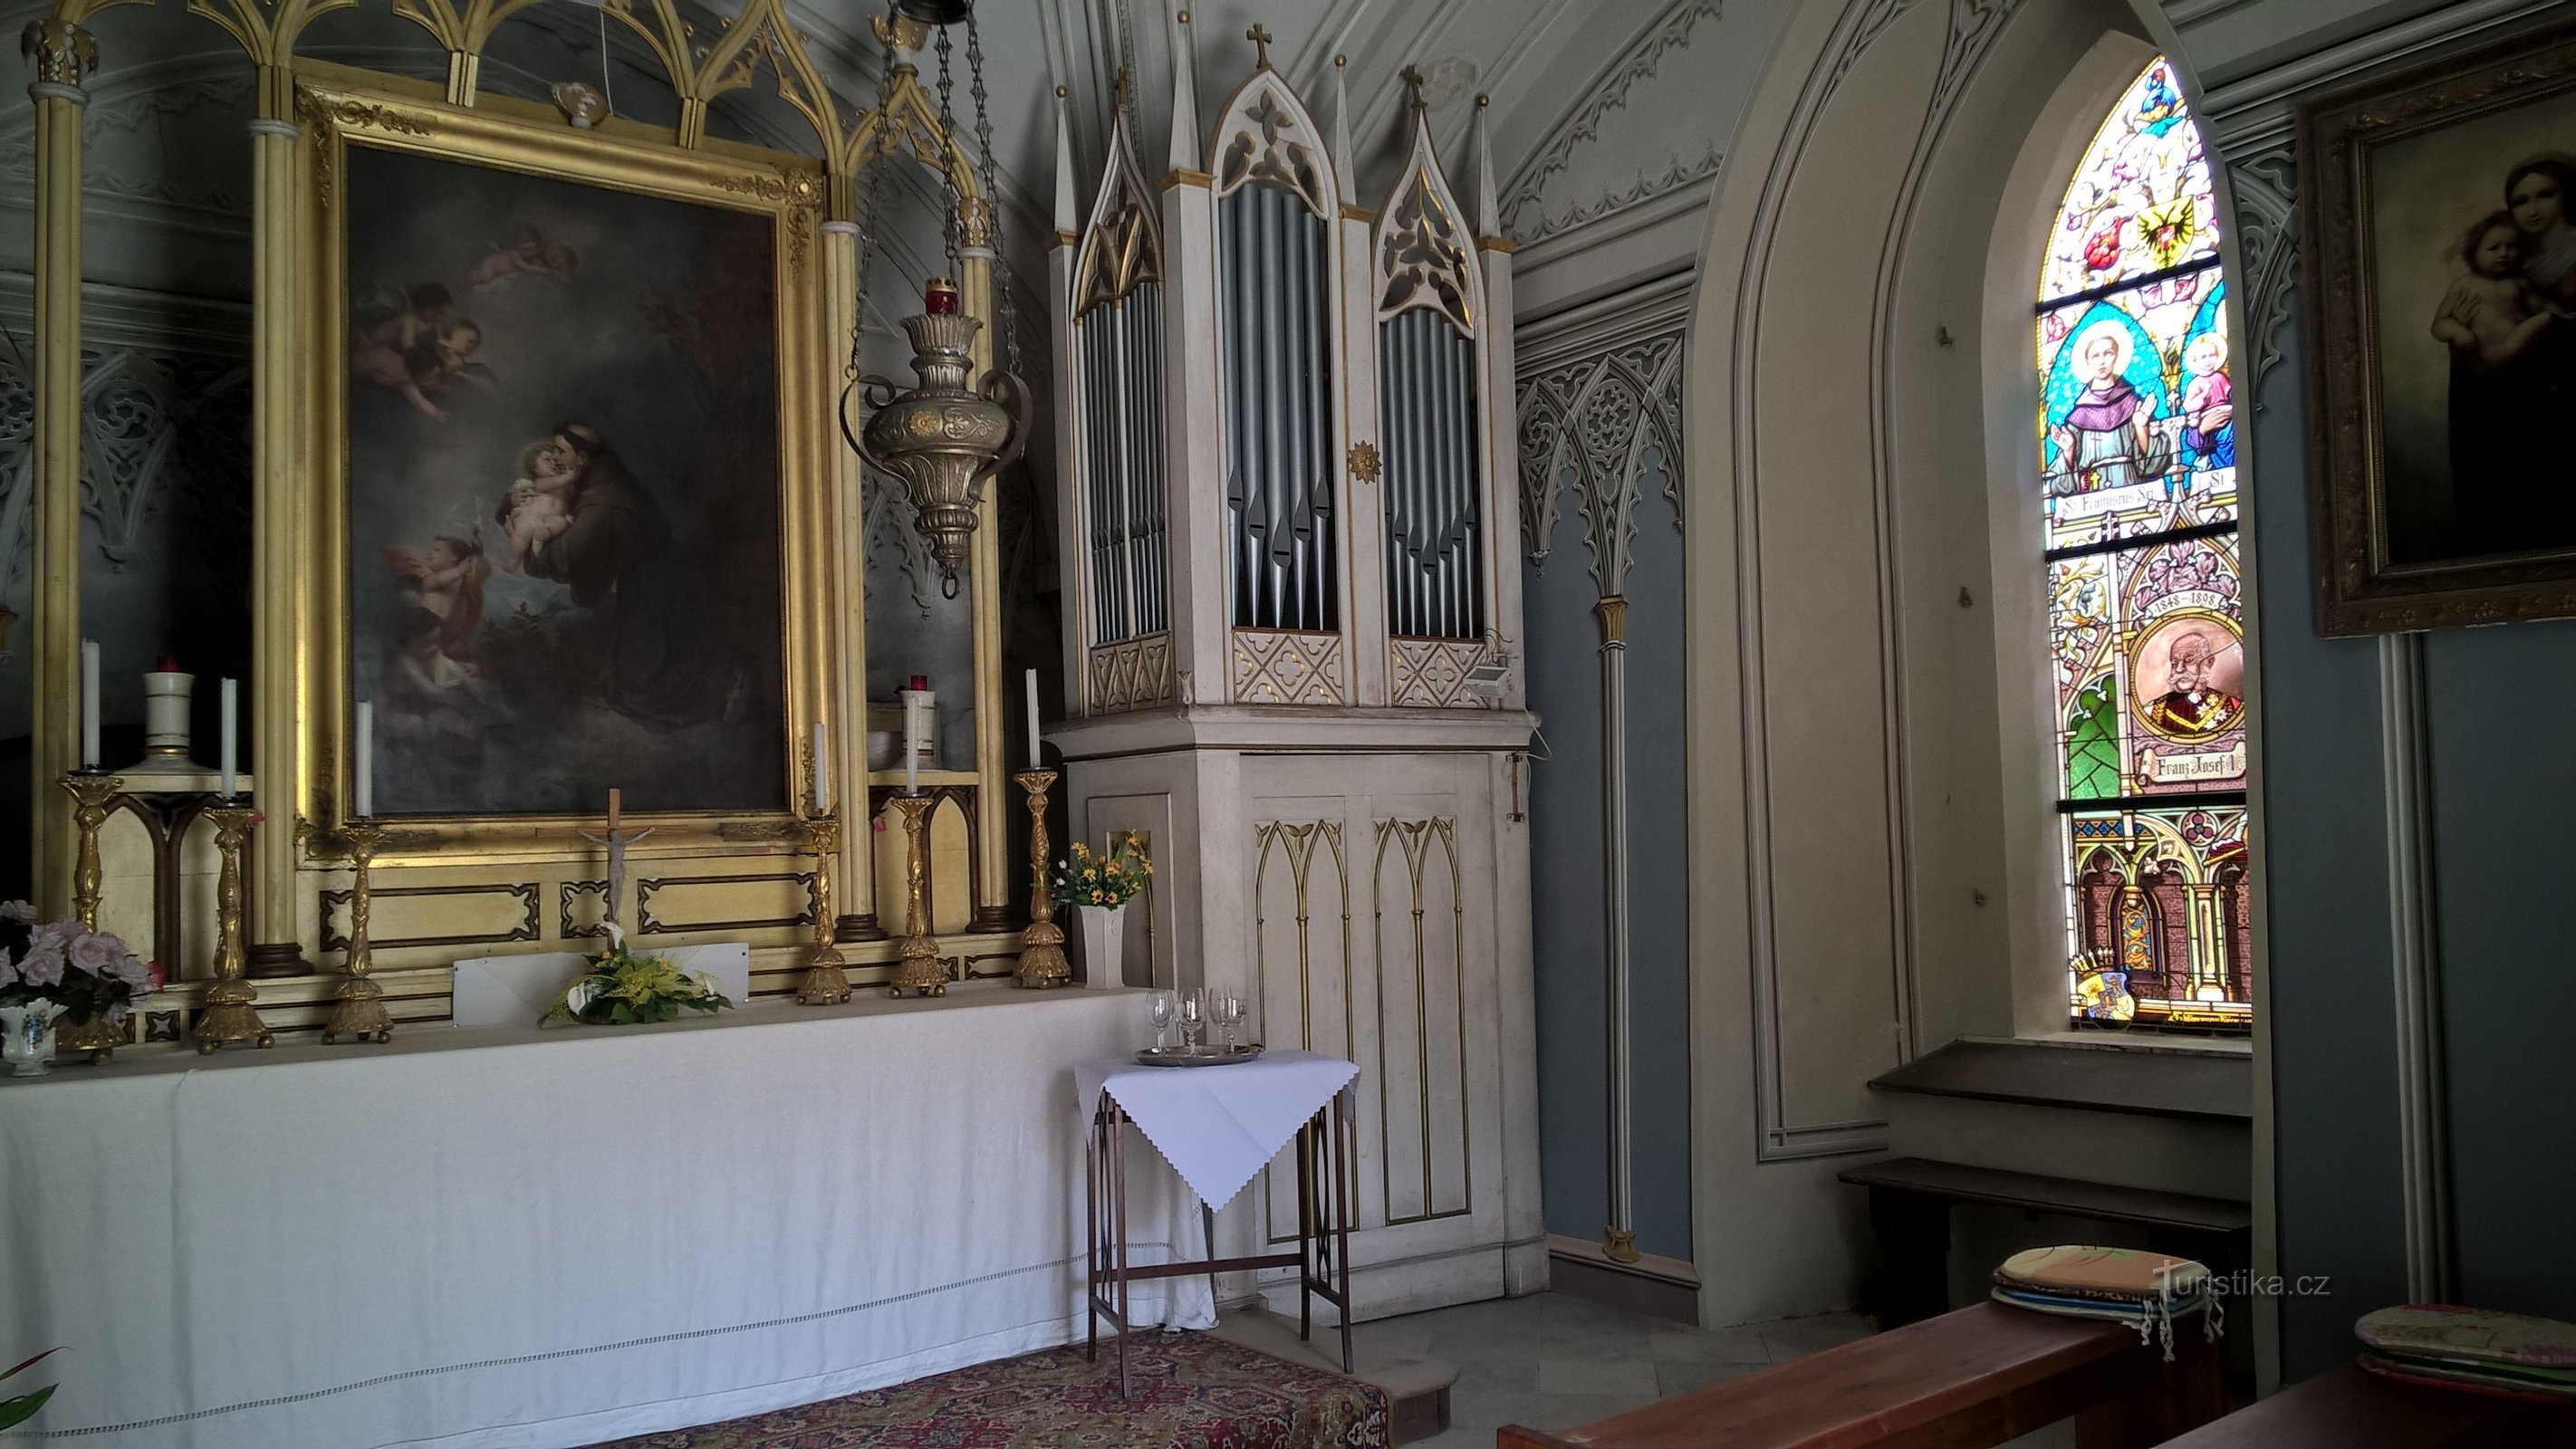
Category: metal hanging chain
[952,230]
[1003,310]
[870,204]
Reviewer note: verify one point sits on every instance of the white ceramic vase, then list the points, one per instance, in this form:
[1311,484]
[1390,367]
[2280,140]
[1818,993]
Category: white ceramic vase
[1104,944]
[27,1037]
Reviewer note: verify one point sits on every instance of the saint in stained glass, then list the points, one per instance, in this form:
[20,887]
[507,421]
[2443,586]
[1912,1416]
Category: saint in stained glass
[2138,499]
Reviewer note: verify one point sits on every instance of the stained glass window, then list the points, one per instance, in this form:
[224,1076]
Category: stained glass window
[2137,466]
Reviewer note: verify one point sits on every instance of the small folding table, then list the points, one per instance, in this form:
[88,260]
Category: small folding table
[1217,1127]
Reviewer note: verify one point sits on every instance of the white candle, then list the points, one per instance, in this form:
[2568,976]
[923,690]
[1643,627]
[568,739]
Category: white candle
[232,733]
[89,704]
[911,747]
[822,772]
[1037,751]
[366,760]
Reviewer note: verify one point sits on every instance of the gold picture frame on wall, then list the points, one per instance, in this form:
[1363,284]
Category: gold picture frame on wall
[2439,248]
[566,474]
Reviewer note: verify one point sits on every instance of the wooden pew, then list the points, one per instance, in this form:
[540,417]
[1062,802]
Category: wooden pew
[2345,1408]
[1979,1376]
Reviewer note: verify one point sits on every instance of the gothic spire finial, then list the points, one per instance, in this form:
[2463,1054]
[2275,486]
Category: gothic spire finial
[1260,37]
[1413,89]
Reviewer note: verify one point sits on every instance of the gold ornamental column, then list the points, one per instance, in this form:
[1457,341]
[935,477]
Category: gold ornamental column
[849,683]
[992,812]
[277,682]
[63,53]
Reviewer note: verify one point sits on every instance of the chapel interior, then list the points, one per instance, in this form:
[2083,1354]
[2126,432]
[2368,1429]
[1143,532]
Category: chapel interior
[664,654]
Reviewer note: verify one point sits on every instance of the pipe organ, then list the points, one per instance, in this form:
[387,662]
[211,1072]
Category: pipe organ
[1291,650]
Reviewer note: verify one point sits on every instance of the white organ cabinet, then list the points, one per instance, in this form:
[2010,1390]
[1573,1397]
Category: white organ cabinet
[1292,615]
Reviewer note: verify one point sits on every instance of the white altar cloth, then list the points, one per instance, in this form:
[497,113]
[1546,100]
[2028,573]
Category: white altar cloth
[1217,1126]
[497,1237]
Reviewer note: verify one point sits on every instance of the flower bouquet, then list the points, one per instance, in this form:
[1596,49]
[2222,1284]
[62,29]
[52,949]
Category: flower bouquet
[59,970]
[1107,881]
[622,988]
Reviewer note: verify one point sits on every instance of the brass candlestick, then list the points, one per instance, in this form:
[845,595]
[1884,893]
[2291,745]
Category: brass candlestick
[1042,962]
[920,969]
[359,1012]
[93,796]
[93,800]
[825,984]
[224,1012]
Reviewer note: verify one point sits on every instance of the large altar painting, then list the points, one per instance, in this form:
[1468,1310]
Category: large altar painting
[564,481]
[2443,339]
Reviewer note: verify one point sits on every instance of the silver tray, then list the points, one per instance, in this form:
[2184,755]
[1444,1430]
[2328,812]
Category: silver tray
[1220,1057]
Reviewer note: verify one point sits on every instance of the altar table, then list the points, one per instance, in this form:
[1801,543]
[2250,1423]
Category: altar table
[501,1237]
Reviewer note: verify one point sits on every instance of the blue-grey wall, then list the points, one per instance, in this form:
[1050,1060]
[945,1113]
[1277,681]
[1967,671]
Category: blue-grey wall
[1566,886]
[2499,779]
[1570,892]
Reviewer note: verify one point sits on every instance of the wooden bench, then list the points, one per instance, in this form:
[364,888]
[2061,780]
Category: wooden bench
[2345,1408]
[1980,1376]
[1909,1208]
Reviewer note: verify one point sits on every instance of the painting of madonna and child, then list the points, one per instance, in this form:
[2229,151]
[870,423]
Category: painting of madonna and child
[563,449]
[2472,295]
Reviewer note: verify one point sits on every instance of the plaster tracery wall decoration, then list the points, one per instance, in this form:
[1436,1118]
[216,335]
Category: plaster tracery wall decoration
[1586,426]
[1526,214]
[166,442]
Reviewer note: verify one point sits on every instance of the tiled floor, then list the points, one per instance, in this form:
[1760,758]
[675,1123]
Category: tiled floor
[1552,1362]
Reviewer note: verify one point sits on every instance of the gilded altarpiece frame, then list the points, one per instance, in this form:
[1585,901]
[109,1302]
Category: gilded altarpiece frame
[785,191]
[436,868]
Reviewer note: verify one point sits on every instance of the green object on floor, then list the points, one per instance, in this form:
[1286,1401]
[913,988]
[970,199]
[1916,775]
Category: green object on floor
[1192,1391]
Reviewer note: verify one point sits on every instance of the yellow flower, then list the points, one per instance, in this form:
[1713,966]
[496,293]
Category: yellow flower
[1095,896]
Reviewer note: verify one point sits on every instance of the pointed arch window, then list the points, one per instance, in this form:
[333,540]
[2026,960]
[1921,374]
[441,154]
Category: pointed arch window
[2138,510]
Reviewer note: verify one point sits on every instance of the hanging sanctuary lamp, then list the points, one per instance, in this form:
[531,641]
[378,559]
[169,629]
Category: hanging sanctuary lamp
[943,439]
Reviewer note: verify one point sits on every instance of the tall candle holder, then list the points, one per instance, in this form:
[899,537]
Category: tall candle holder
[919,968]
[358,1012]
[93,800]
[224,1011]
[1042,962]
[825,983]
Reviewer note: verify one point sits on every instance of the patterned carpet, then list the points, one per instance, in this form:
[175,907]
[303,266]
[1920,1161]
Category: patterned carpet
[1191,1392]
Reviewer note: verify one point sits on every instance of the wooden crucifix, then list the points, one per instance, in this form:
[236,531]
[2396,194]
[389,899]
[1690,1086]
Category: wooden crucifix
[616,841]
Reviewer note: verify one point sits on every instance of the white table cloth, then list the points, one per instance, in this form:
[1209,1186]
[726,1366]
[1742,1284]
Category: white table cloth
[1217,1126]
[504,1238]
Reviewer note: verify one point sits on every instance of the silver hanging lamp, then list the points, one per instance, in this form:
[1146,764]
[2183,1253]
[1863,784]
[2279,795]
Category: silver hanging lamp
[942,438]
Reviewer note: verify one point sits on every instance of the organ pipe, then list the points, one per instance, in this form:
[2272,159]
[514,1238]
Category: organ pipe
[1297,351]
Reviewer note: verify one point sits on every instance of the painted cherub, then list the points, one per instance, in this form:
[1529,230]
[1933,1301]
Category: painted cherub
[422,371]
[539,504]
[448,575]
[431,698]
[528,254]
[405,320]
[2489,316]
